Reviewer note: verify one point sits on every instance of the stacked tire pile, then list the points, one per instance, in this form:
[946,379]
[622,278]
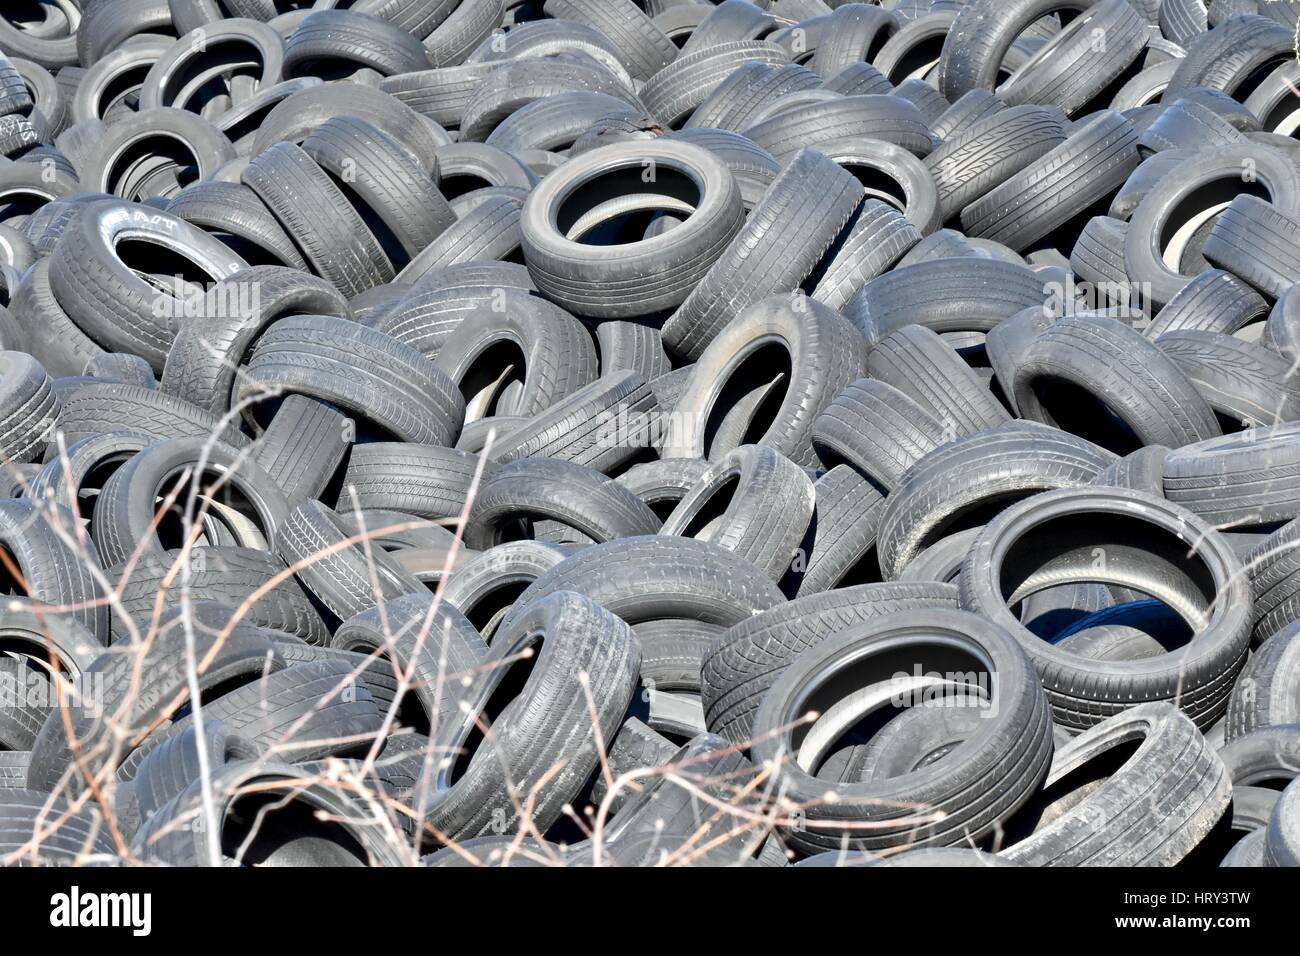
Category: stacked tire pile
[606,433]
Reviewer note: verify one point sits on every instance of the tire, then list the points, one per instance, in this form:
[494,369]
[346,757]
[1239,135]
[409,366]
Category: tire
[165,839]
[1102,362]
[1183,20]
[491,231]
[674,93]
[1142,470]
[97,408]
[663,483]
[1112,642]
[303,447]
[779,245]
[227,575]
[973,476]
[555,350]
[990,152]
[631,347]
[1198,182]
[580,499]
[126,518]
[1188,125]
[736,100]
[548,736]
[1281,331]
[877,430]
[1282,842]
[657,577]
[889,118]
[346,579]
[1069,71]
[173,765]
[517,83]
[643,47]
[207,147]
[50,52]
[913,52]
[855,33]
[1253,240]
[335,41]
[969,294]
[969,109]
[917,362]
[26,834]
[724,23]
[1241,381]
[744,663]
[924,97]
[293,119]
[753,168]
[1092,163]
[47,331]
[1274,583]
[729,394]
[753,502]
[241,122]
[75,473]
[121,367]
[982,36]
[400,203]
[1197,676]
[1264,696]
[1146,86]
[433,309]
[484,587]
[190,75]
[1098,255]
[635,748]
[686,814]
[1152,811]
[1264,757]
[313,210]
[892,174]
[107,298]
[1212,302]
[541,39]
[589,280]
[841,537]
[421,480]
[40,644]
[601,426]
[206,355]
[556,122]
[472,22]
[140,690]
[440,94]
[880,236]
[28,407]
[362,372]
[423,640]
[1142,180]
[981,784]
[1226,57]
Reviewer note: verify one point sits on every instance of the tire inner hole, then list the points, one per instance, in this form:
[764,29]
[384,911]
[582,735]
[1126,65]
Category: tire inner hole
[862,696]
[492,382]
[598,213]
[1123,552]
[274,829]
[749,400]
